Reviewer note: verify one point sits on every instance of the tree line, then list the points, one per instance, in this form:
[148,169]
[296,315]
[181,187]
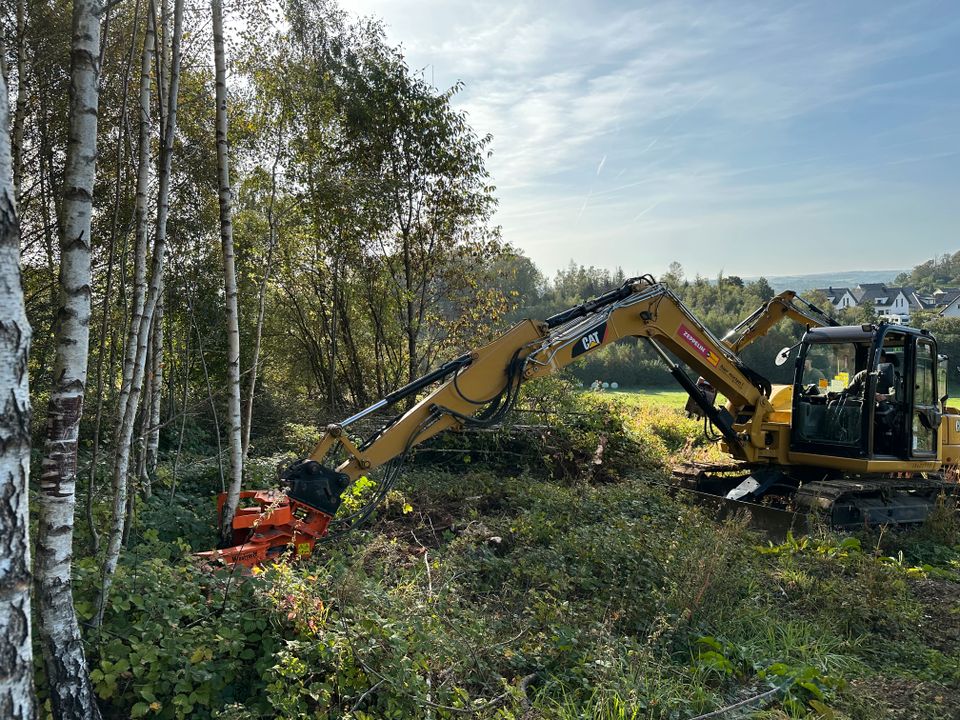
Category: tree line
[195,222]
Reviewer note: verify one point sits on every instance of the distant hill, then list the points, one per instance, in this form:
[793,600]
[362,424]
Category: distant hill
[843,278]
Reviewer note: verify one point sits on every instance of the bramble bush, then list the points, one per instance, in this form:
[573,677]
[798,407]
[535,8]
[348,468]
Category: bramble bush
[557,585]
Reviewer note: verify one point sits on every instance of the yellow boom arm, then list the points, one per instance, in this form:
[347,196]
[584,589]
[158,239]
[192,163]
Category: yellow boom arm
[784,305]
[479,387]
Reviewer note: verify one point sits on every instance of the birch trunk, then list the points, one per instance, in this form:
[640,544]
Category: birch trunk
[121,157]
[20,112]
[122,466]
[16,651]
[229,277]
[140,439]
[156,395]
[142,227]
[123,431]
[71,695]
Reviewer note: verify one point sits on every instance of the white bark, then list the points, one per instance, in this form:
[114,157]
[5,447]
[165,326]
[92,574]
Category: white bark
[142,231]
[229,275]
[156,387]
[129,393]
[16,651]
[121,156]
[71,695]
[20,113]
[122,466]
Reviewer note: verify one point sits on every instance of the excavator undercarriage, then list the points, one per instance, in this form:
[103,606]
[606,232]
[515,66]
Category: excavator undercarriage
[843,503]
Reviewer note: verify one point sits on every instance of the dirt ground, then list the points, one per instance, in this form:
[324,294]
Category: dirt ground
[940,626]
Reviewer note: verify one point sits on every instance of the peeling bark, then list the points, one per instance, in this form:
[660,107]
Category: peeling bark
[16,651]
[71,695]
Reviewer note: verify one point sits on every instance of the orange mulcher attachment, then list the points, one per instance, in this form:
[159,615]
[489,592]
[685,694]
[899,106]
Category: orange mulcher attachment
[278,522]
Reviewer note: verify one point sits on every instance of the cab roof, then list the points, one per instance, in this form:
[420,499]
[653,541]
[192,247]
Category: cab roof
[856,333]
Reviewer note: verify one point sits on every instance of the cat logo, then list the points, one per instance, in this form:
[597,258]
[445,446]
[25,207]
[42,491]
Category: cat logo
[590,339]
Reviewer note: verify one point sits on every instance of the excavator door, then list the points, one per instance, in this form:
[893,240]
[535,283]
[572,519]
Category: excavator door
[867,392]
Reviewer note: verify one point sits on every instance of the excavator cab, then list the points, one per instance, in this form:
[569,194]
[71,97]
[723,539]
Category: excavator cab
[867,392]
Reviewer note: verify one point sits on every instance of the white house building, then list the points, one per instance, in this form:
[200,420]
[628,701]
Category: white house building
[840,298]
[950,302]
[892,304]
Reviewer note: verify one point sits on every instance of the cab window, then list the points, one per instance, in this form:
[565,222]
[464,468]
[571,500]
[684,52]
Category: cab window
[924,399]
[830,399]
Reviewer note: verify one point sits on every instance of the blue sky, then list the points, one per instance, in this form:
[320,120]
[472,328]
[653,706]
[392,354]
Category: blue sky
[755,138]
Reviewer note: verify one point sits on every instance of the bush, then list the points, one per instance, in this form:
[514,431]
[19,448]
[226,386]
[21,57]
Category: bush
[178,641]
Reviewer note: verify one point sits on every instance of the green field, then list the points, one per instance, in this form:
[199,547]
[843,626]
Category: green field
[652,396]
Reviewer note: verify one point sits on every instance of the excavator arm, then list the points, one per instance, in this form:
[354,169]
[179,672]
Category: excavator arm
[785,305]
[480,387]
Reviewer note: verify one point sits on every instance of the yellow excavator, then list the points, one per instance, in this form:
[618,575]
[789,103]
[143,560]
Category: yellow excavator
[863,433]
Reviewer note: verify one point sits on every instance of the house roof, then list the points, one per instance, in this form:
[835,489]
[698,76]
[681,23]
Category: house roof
[945,300]
[833,293]
[918,300]
[877,294]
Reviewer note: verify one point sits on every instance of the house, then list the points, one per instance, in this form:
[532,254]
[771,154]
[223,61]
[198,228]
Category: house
[888,303]
[949,303]
[840,298]
[892,304]
[919,301]
[895,304]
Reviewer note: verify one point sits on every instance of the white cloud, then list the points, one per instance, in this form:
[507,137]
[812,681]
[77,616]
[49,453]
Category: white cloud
[691,110]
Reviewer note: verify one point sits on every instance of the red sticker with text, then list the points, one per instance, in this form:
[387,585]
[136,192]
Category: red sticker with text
[697,344]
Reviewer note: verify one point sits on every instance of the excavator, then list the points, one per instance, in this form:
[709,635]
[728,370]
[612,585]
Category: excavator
[862,435]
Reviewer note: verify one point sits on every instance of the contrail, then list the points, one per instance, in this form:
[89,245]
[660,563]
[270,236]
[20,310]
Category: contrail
[645,211]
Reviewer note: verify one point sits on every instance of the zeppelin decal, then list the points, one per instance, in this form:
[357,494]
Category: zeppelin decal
[697,344]
[590,339]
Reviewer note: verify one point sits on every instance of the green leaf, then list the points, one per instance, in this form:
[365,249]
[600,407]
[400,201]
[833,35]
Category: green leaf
[822,710]
[711,641]
[812,689]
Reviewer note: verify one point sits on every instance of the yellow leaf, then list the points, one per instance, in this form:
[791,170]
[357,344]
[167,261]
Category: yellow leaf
[197,655]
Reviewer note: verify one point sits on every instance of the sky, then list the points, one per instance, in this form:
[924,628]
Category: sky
[753,138]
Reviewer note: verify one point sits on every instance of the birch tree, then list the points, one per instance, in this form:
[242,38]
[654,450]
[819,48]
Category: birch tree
[71,695]
[142,224]
[127,421]
[152,440]
[16,651]
[229,276]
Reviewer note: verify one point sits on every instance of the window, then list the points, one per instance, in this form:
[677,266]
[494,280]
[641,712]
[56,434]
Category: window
[830,399]
[924,399]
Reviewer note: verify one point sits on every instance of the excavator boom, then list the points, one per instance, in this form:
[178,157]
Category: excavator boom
[480,387]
